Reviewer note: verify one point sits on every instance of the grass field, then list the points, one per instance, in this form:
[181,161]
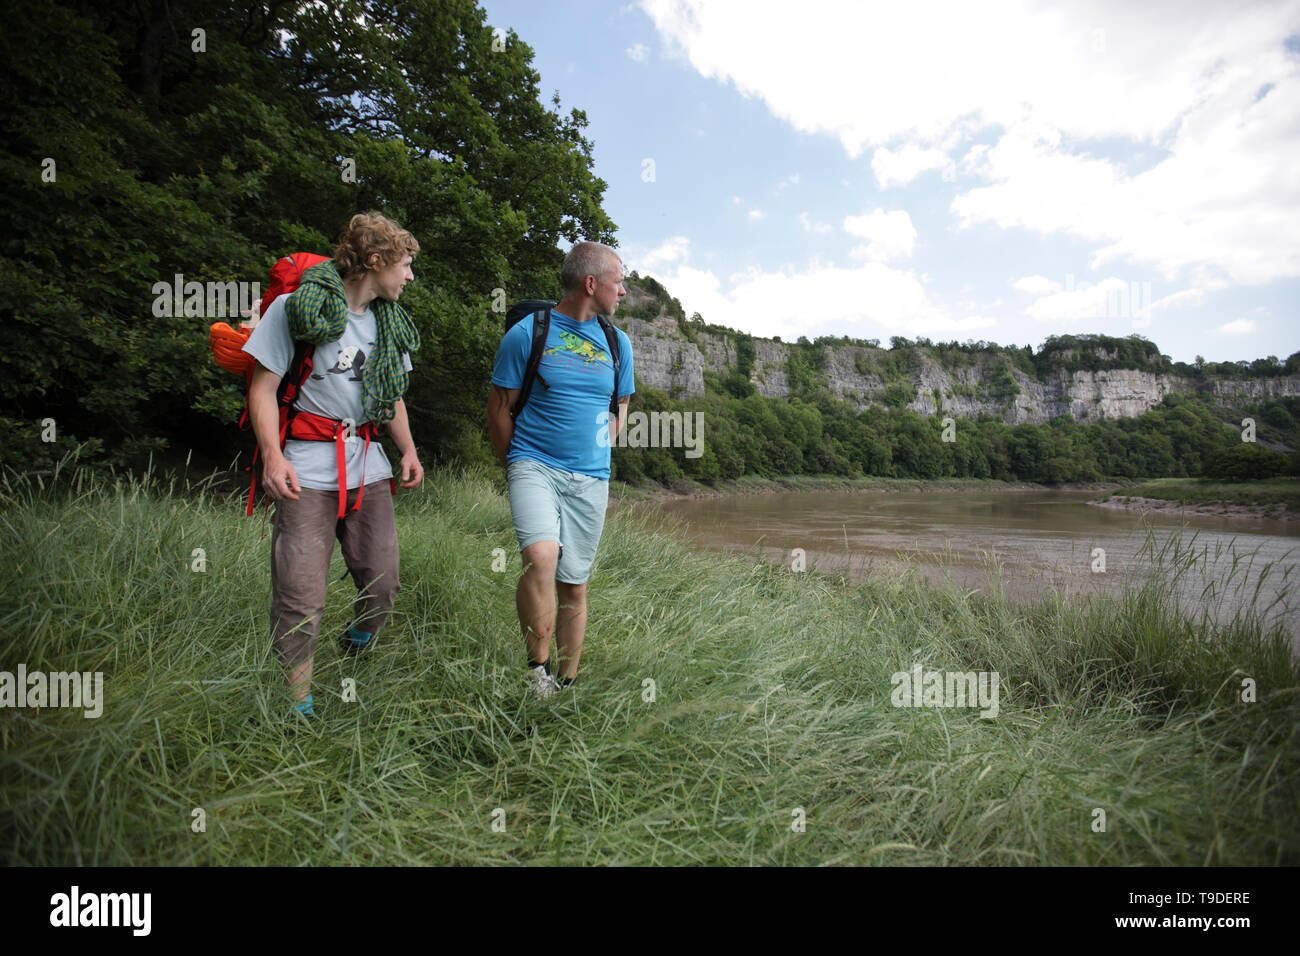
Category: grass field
[771,704]
[1263,493]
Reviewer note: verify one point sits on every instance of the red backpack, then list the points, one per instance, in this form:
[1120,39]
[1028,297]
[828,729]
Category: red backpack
[227,345]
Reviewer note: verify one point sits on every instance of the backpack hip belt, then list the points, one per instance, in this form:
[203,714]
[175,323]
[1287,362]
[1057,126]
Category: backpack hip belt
[305,426]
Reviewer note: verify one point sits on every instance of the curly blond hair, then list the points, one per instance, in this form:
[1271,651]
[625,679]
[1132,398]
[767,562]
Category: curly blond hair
[366,234]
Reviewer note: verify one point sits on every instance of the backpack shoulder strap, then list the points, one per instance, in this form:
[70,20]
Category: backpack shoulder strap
[541,326]
[286,394]
[294,377]
[616,356]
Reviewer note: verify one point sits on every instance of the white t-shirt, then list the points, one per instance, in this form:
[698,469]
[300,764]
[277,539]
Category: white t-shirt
[333,390]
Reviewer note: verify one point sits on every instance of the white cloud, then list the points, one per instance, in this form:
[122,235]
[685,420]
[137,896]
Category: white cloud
[900,167]
[1221,203]
[1206,91]
[672,249]
[1110,299]
[945,64]
[809,225]
[890,235]
[1238,327]
[756,214]
[866,300]
[1036,285]
[638,52]
[1106,299]
[736,200]
[791,180]
[1185,297]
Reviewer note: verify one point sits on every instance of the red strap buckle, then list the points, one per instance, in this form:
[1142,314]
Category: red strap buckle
[308,427]
[305,426]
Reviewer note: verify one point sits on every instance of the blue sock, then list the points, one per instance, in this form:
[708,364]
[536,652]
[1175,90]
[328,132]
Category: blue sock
[304,707]
[357,637]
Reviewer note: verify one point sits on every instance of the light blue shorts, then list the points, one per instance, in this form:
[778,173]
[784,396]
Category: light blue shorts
[548,504]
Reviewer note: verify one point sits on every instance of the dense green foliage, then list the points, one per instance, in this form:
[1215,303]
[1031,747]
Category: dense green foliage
[1244,462]
[212,155]
[1096,352]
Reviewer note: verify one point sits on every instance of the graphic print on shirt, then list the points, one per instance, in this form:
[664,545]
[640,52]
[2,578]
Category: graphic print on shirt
[350,359]
[582,348]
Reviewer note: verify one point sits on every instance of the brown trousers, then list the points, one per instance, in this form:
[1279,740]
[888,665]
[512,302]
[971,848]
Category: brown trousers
[302,544]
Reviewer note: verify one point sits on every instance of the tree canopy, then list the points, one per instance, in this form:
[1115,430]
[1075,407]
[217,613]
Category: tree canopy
[207,139]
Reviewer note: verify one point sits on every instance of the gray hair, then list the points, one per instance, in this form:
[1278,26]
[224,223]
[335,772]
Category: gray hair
[586,259]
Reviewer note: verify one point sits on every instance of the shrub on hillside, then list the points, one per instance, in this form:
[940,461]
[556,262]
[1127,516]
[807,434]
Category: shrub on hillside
[1244,462]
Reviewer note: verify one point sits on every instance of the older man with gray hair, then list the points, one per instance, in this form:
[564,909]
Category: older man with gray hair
[557,455]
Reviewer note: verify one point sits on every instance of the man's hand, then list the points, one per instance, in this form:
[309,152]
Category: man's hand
[412,470]
[400,429]
[279,479]
[277,475]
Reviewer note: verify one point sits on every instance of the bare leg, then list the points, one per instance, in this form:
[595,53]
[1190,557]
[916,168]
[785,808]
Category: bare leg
[571,626]
[535,597]
[299,681]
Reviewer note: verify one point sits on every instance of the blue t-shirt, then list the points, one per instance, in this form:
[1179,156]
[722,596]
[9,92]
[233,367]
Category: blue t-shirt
[568,408]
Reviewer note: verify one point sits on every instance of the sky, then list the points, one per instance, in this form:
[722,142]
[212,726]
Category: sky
[1001,171]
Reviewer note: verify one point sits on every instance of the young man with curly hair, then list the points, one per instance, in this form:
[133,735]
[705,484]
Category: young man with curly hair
[332,479]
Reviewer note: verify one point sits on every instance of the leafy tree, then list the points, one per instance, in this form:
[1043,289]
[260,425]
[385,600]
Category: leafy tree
[899,394]
[213,162]
[1245,462]
[1002,384]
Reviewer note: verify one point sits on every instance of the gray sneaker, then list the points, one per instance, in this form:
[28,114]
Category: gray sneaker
[541,683]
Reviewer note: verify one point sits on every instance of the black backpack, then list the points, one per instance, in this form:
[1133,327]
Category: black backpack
[541,308]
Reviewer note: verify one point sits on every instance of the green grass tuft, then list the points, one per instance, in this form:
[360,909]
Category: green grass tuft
[772,693]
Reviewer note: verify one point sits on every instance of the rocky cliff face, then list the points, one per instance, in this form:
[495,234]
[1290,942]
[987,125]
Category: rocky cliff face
[662,358]
[667,360]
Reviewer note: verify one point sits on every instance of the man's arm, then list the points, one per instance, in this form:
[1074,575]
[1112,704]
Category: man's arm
[501,427]
[616,423]
[278,477]
[400,429]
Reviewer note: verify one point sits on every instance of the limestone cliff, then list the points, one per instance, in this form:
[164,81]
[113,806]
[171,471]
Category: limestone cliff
[983,383]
